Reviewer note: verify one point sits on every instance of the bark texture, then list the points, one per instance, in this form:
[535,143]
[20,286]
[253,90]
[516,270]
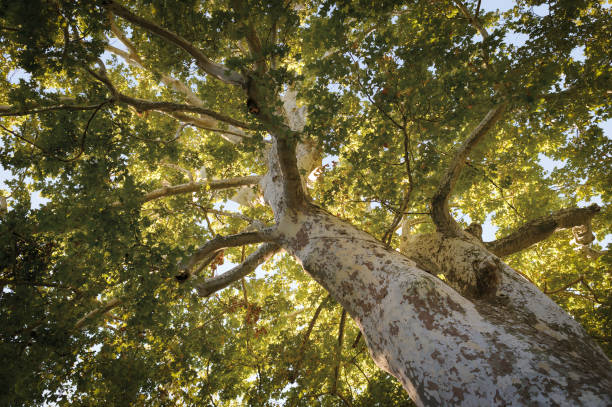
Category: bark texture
[515,346]
[541,228]
[519,348]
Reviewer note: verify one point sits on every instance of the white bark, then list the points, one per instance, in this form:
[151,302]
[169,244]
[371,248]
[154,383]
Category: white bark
[307,152]
[517,348]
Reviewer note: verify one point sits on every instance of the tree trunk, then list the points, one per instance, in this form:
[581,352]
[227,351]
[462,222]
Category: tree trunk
[517,348]
[510,345]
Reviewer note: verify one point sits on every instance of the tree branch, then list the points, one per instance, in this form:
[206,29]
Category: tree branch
[208,250]
[236,215]
[9,281]
[98,311]
[214,69]
[334,387]
[388,236]
[6,110]
[133,58]
[564,287]
[204,122]
[539,229]
[142,105]
[232,134]
[440,212]
[284,171]
[293,374]
[255,48]
[208,122]
[196,186]
[473,19]
[214,284]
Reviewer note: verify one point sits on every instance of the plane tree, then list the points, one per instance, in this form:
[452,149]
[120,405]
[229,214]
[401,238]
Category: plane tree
[266,202]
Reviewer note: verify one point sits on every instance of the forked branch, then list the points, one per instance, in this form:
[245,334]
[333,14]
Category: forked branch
[214,69]
[439,204]
[208,251]
[214,284]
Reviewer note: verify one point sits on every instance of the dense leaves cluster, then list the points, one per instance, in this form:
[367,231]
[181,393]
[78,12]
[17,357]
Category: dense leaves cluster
[92,313]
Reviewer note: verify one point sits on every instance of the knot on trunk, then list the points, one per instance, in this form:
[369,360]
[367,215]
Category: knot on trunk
[463,262]
[583,234]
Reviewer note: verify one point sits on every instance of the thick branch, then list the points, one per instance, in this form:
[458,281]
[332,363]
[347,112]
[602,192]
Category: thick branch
[196,186]
[98,311]
[473,19]
[541,228]
[214,284]
[255,47]
[202,61]
[236,215]
[232,134]
[134,59]
[142,105]
[221,242]
[285,162]
[439,205]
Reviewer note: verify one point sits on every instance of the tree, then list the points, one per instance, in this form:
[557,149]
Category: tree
[139,121]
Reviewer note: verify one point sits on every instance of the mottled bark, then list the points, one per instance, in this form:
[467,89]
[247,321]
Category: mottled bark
[519,348]
[463,261]
[513,347]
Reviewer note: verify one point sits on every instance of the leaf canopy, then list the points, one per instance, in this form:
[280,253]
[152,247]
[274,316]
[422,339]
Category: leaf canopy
[92,310]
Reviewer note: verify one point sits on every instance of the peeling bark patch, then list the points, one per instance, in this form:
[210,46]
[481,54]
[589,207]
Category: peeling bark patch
[365,306]
[301,238]
[377,295]
[454,306]
[436,355]
[423,312]
[458,394]
[346,288]
[468,356]
[432,386]
[452,331]
[501,362]
[499,400]
[393,328]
